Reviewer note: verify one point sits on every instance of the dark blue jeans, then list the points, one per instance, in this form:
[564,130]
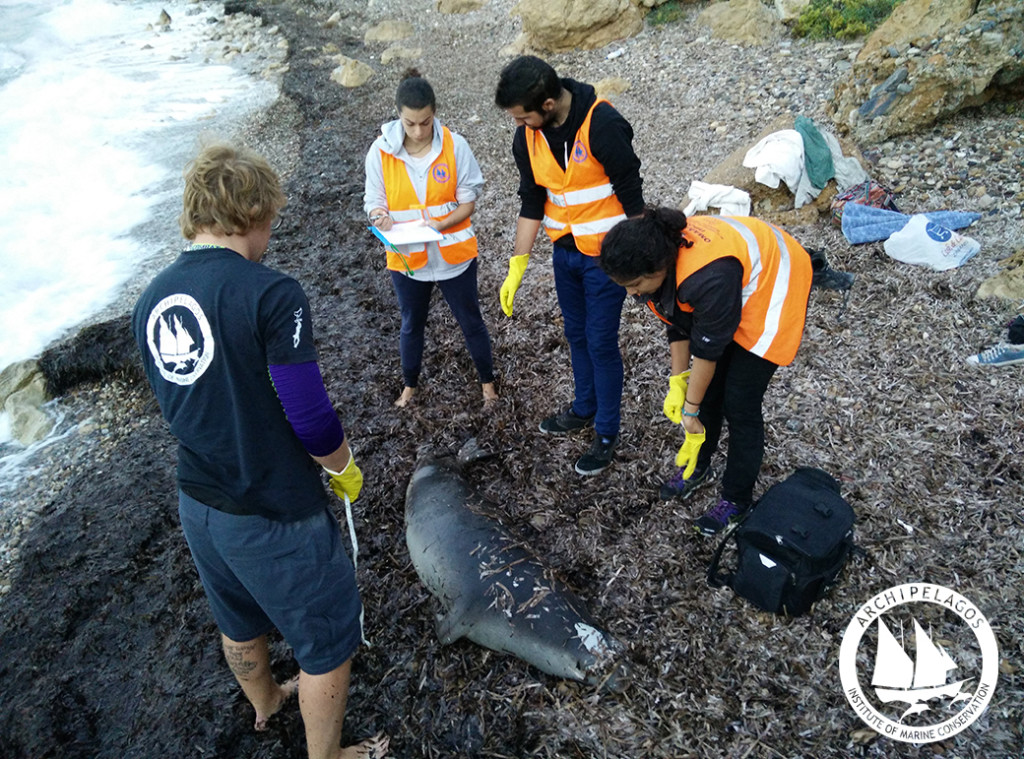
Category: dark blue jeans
[461,295]
[736,395]
[591,305]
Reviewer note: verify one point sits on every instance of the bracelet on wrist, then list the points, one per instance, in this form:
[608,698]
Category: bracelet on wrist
[694,414]
[692,403]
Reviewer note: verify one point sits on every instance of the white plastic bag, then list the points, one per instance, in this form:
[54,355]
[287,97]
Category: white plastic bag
[929,244]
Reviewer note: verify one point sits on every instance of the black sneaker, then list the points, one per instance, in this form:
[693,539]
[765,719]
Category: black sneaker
[599,456]
[719,517]
[677,487]
[823,275]
[567,421]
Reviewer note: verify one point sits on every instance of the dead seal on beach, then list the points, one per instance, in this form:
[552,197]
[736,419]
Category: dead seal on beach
[494,591]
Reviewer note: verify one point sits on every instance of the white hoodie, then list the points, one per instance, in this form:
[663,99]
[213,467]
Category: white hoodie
[468,183]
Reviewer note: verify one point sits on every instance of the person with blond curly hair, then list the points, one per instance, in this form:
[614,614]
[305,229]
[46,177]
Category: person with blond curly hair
[228,349]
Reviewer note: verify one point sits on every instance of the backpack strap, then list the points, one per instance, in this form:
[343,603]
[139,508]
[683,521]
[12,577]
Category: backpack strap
[715,578]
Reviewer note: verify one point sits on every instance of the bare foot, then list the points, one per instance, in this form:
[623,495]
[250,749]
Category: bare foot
[284,692]
[372,748]
[406,397]
[490,394]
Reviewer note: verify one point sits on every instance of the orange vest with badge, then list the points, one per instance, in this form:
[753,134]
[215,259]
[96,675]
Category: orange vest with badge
[458,242]
[580,198]
[776,280]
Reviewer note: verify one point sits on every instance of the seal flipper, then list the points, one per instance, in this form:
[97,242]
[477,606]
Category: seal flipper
[472,451]
[452,625]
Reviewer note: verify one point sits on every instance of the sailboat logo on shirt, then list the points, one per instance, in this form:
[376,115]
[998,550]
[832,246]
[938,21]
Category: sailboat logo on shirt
[919,683]
[179,338]
[177,347]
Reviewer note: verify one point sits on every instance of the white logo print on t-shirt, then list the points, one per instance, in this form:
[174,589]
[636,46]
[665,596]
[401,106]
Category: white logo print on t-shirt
[179,338]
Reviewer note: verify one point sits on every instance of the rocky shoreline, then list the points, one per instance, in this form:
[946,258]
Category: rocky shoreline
[96,586]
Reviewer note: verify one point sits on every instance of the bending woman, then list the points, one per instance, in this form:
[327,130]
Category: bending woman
[733,292]
[417,169]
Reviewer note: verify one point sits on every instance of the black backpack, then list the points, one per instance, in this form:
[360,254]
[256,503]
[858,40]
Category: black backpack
[791,545]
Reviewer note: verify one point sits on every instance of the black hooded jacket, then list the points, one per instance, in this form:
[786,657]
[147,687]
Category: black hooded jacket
[611,141]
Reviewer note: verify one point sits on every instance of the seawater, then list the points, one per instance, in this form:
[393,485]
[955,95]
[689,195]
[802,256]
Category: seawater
[100,108]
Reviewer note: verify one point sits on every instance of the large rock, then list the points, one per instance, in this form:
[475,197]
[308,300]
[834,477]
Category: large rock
[15,377]
[1008,283]
[388,31]
[350,72]
[22,393]
[790,10]
[611,86]
[910,75]
[916,20]
[400,53]
[745,22]
[561,25]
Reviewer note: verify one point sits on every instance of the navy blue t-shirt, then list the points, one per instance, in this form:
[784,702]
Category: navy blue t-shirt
[209,326]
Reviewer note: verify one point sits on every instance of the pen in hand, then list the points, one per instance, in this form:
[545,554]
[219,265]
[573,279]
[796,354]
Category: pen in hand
[381,220]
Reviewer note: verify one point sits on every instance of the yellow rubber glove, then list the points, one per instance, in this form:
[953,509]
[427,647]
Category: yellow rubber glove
[687,456]
[349,481]
[673,407]
[516,267]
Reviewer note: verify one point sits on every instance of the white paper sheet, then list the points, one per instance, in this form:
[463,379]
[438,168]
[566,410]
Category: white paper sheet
[407,233]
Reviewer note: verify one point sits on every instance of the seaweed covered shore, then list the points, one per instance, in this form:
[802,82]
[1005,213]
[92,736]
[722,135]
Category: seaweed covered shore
[107,647]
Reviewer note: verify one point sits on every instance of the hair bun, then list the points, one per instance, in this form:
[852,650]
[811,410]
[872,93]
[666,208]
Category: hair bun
[669,221]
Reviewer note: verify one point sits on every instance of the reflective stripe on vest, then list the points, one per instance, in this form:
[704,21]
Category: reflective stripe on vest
[458,242]
[776,280]
[580,198]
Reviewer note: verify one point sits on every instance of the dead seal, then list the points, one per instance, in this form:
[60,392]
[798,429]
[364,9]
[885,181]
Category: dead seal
[493,589]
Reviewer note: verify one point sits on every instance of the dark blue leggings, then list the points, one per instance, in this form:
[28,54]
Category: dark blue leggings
[461,295]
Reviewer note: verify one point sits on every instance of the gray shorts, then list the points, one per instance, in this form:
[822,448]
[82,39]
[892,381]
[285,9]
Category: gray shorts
[259,574]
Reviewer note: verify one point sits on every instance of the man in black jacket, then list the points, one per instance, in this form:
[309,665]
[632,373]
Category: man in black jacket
[578,177]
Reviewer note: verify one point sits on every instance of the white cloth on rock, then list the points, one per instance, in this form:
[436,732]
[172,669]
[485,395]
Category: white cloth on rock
[732,201]
[780,156]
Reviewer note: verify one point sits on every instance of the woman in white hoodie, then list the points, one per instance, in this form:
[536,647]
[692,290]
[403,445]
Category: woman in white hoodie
[418,170]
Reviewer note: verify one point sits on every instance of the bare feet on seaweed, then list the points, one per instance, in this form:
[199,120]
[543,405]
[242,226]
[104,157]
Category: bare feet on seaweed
[490,394]
[284,691]
[406,397]
[372,748]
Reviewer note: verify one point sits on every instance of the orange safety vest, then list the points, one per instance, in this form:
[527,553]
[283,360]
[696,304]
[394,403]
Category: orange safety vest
[581,200]
[776,280]
[458,242]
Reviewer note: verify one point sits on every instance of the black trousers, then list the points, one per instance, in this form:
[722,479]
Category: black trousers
[736,396]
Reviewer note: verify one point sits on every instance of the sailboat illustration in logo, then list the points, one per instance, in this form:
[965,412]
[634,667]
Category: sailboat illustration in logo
[175,344]
[917,681]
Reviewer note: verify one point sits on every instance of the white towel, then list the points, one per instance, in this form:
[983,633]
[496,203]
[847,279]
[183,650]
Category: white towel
[731,200]
[779,156]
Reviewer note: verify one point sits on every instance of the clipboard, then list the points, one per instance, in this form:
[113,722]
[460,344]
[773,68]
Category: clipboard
[406,233]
